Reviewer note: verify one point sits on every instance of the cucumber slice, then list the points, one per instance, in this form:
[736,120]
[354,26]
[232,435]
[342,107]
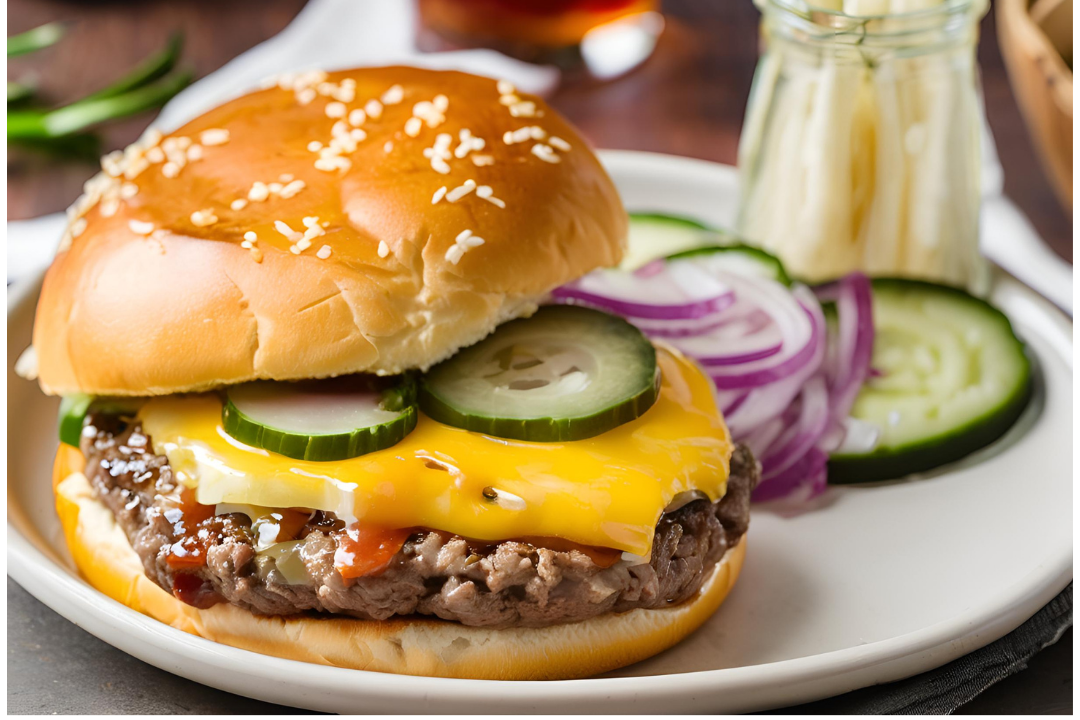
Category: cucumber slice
[654,236]
[566,373]
[322,420]
[954,378]
[737,258]
[75,408]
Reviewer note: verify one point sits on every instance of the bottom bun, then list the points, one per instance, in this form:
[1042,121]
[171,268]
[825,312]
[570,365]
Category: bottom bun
[411,646]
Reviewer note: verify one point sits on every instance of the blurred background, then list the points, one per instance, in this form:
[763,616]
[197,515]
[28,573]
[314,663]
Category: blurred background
[671,77]
[688,98]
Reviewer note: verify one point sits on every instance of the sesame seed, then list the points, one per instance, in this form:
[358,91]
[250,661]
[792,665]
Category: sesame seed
[373,108]
[314,146]
[485,192]
[78,227]
[508,137]
[108,209]
[384,249]
[545,153]
[441,103]
[440,166]
[413,126]
[326,88]
[388,146]
[250,236]
[329,164]
[536,132]
[310,221]
[482,160]
[195,152]
[155,155]
[288,232]
[203,218]
[256,254]
[285,177]
[129,190]
[461,191]
[214,136]
[238,204]
[345,93]
[135,168]
[509,99]
[292,188]
[393,96]
[357,117]
[274,188]
[170,169]
[523,109]
[358,135]
[455,253]
[505,87]
[324,252]
[183,142]
[150,138]
[559,143]
[335,110]
[305,96]
[463,235]
[140,228]
[258,192]
[438,195]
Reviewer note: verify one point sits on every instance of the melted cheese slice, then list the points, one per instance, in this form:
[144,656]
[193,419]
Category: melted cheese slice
[607,491]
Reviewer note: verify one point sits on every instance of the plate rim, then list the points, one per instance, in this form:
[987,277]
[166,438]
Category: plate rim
[793,680]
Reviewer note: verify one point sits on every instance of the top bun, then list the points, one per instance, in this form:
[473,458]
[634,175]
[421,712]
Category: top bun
[398,215]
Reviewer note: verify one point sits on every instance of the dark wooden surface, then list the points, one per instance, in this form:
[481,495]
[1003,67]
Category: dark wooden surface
[688,99]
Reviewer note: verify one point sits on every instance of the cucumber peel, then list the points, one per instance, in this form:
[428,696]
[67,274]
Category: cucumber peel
[567,373]
[393,414]
[956,378]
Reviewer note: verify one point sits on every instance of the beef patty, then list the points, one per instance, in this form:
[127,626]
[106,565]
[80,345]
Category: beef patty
[203,558]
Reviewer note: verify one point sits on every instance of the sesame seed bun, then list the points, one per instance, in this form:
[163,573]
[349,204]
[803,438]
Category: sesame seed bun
[411,646]
[292,233]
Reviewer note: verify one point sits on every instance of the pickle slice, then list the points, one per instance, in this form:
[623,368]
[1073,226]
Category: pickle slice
[75,408]
[322,420]
[566,373]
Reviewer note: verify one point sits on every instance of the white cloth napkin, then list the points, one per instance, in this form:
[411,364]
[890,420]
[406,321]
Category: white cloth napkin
[330,34]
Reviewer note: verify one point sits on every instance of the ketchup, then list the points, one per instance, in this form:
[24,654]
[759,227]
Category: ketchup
[363,550]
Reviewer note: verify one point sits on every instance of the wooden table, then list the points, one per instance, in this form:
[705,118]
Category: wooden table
[688,99]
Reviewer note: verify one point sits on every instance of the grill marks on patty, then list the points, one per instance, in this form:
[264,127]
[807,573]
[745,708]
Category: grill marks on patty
[203,559]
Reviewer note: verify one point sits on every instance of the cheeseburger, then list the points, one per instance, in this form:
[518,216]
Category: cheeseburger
[315,405]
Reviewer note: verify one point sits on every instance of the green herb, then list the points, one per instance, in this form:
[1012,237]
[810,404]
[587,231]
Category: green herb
[61,131]
[85,113]
[36,39]
[17,92]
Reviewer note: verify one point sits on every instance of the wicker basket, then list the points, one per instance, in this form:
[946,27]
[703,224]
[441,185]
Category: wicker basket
[1036,37]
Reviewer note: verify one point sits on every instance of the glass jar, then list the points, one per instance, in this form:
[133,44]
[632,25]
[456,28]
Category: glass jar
[861,144]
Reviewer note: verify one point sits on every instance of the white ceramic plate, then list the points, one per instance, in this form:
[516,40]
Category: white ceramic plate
[873,585]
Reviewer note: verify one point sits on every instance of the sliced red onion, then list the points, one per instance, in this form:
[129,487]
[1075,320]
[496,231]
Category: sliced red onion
[750,336]
[858,436]
[680,328]
[849,365]
[682,291]
[795,313]
[803,434]
[809,472]
[769,401]
[730,400]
